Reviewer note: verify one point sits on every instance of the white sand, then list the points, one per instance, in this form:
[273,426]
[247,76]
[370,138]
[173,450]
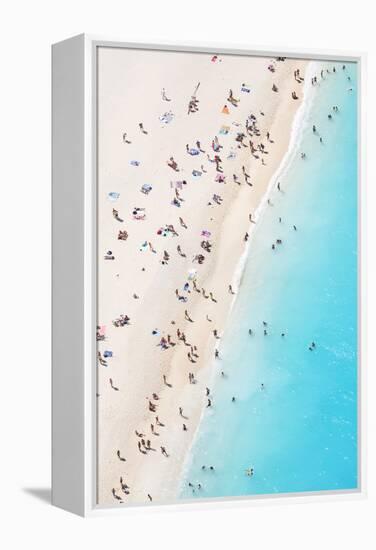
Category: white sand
[129,92]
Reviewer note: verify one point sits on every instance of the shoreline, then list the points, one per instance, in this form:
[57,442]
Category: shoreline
[238,349]
[119,417]
[296,135]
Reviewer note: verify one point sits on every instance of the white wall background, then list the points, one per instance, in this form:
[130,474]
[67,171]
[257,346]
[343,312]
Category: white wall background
[27,30]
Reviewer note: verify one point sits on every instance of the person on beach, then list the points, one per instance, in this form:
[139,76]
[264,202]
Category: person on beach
[119,456]
[178,248]
[230,289]
[182,223]
[164,96]
[124,486]
[115,214]
[232,100]
[187,317]
[164,452]
[173,164]
[141,126]
[112,385]
[116,496]
[165,382]
[101,360]
[158,422]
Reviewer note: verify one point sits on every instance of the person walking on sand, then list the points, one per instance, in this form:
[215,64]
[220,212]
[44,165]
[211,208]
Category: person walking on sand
[116,496]
[180,252]
[173,164]
[187,317]
[164,96]
[119,456]
[164,452]
[141,126]
[165,382]
[158,422]
[230,289]
[182,223]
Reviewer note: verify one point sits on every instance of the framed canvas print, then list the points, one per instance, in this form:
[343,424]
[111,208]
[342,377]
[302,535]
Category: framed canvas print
[206,275]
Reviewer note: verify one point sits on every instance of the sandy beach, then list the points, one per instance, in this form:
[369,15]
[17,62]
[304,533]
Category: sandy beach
[143,275]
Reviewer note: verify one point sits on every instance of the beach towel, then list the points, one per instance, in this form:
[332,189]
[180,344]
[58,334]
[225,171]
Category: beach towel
[107,353]
[192,274]
[135,163]
[196,173]
[193,152]
[146,188]
[205,233]
[113,196]
[166,118]
[176,184]
[224,130]
[225,110]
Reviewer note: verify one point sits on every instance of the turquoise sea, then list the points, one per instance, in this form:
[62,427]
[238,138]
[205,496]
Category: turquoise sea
[294,419]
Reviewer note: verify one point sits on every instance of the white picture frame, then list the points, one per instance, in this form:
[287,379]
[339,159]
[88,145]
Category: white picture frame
[74,272]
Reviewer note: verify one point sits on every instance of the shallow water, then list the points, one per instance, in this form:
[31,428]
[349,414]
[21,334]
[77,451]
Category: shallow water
[299,430]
